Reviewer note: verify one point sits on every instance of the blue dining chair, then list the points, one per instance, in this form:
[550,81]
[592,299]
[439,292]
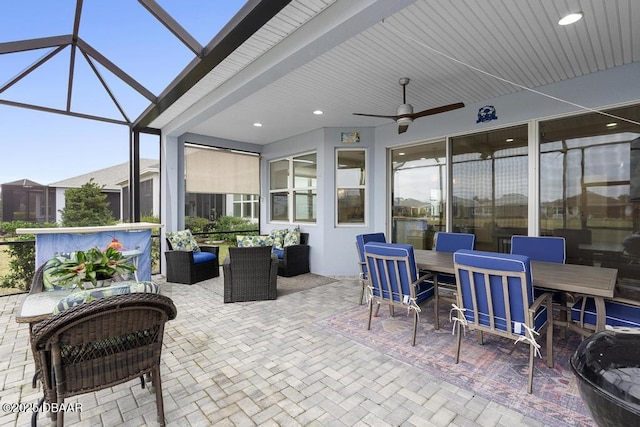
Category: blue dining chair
[620,312]
[495,295]
[547,249]
[361,240]
[540,248]
[448,242]
[393,280]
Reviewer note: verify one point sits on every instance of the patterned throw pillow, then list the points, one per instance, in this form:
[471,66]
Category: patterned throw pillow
[47,282]
[121,288]
[183,241]
[278,236]
[293,237]
[253,241]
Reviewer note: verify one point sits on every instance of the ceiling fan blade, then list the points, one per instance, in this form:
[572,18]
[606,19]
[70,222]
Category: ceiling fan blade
[376,115]
[437,110]
[402,129]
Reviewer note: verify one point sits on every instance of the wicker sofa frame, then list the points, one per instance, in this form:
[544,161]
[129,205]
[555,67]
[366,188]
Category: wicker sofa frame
[296,258]
[100,344]
[182,269]
[250,274]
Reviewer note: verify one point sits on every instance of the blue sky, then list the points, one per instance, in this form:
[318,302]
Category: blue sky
[47,147]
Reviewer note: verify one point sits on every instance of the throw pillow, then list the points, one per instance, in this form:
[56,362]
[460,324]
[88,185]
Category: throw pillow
[253,241]
[79,297]
[293,237]
[278,236]
[47,281]
[183,241]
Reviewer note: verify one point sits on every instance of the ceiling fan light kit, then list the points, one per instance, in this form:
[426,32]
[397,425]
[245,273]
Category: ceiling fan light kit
[405,115]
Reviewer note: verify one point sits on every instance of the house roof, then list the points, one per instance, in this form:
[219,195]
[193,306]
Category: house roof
[24,183]
[110,177]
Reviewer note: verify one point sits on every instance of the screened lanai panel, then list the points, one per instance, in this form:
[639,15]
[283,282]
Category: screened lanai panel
[216,171]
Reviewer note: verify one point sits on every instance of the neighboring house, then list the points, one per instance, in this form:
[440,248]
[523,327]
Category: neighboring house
[115,180]
[26,200]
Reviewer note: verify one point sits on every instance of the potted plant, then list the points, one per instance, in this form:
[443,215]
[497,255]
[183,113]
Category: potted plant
[94,266]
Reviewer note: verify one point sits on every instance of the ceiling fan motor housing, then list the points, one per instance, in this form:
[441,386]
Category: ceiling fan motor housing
[402,110]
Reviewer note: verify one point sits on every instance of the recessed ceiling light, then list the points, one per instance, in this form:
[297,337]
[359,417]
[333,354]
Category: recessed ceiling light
[612,125]
[318,112]
[570,18]
[400,154]
[257,124]
[509,139]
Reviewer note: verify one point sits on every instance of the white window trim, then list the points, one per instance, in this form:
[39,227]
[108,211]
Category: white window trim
[359,187]
[290,190]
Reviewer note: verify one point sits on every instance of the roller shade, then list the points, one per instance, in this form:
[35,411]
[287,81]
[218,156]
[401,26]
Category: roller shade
[212,171]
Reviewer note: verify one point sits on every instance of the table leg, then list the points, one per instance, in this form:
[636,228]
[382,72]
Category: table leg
[436,304]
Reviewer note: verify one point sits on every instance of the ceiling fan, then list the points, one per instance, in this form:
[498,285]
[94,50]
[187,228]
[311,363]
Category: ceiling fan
[405,114]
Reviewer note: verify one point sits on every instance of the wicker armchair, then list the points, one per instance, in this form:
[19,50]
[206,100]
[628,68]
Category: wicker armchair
[181,267]
[250,274]
[125,342]
[295,259]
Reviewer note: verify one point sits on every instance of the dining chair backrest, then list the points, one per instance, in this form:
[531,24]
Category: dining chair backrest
[363,239]
[393,271]
[451,242]
[494,289]
[542,248]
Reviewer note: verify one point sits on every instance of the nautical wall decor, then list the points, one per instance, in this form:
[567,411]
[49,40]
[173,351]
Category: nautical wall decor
[486,113]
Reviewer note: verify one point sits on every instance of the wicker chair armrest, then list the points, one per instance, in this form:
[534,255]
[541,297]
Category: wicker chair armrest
[210,248]
[296,251]
[37,284]
[179,256]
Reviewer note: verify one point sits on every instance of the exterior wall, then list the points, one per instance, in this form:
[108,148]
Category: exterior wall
[333,248]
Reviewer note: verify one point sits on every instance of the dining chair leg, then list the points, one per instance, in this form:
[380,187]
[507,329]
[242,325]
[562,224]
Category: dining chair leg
[415,327]
[459,342]
[480,337]
[436,304]
[532,354]
[370,314]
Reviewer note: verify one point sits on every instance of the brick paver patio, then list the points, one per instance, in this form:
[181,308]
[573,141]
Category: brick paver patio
[265,363]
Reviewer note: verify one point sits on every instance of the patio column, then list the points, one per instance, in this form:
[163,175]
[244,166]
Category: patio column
[172,185]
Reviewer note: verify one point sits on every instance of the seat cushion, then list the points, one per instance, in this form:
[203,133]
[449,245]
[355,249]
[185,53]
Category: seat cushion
[120,288]
[199,257]
[183,241]
[618,313]
[279,253]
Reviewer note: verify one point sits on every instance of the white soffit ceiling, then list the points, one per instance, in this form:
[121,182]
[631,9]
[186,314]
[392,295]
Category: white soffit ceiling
[453,50]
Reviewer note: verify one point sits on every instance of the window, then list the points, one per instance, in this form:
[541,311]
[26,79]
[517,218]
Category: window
[246,206]
[350,186]
[419,176]
[292,189]
[490,186]
[220,183]
[588,176]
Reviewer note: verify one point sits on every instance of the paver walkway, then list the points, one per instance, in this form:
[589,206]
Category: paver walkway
[265,363]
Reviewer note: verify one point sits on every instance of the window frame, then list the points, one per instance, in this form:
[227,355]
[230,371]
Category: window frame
[291,189]
[363,187]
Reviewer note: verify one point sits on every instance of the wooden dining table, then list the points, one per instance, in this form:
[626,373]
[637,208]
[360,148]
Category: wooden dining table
[583,280]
